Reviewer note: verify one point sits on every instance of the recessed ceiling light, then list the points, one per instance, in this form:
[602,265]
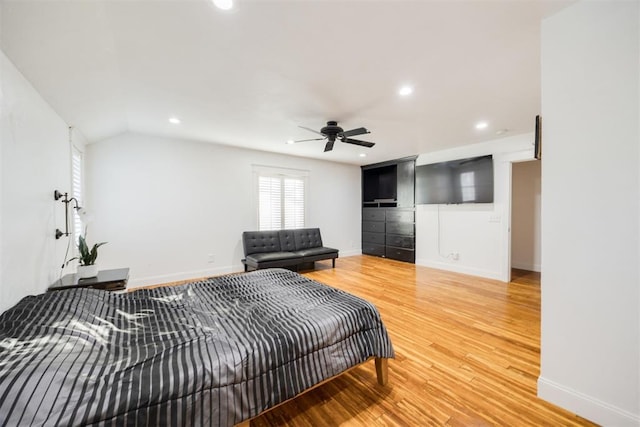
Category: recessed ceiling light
[405,90]
[363,155]
[223,4]
[174,120]
[291,141]
[482,125]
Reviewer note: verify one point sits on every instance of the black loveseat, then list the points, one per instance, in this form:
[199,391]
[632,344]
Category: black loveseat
[284,248]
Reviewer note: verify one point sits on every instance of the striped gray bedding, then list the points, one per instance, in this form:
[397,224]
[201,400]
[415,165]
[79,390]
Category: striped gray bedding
[214,352]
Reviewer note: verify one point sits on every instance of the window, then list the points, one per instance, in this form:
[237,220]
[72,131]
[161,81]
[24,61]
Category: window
[281,198]
[293,202]
[76,190]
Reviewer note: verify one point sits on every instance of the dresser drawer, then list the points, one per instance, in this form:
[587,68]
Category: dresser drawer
[397,215]
[404,228]
[406,255]
[372,214]
[399,241]
[373,226]
[377,238]
[372,249]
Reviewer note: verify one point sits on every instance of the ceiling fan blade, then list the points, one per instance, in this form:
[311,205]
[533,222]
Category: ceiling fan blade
[358,142]
[354,132]
[329,145]
[310,130]
[312,139]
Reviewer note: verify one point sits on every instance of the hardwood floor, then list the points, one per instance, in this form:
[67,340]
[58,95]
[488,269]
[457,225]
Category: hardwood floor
[467,353]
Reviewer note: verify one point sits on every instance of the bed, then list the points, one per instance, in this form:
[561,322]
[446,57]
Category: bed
[217,352]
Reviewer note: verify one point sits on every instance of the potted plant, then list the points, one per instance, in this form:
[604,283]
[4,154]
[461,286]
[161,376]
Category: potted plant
[87,258]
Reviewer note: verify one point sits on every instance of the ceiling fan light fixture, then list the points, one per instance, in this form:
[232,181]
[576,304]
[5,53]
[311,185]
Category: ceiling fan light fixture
[223,4]
[332,133]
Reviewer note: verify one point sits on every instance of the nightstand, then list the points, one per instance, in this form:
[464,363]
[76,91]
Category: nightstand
[108,280]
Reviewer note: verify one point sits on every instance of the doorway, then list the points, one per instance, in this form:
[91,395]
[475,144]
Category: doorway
[525,216]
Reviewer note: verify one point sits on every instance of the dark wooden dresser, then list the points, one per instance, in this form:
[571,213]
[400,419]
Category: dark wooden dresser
[388,209]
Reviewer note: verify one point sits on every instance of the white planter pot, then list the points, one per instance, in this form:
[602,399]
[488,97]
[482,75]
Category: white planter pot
[86,271]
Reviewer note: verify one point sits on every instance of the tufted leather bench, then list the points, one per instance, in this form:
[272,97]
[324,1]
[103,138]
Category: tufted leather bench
[284,248]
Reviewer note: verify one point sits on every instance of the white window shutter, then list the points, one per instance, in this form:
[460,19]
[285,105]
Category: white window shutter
[281,201]
[293,203]
[76,190]
[270,203]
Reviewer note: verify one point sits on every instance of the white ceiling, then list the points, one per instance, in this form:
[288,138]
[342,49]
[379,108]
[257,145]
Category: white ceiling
[251,76]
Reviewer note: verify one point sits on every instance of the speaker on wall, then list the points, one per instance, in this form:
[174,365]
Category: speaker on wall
[537,149]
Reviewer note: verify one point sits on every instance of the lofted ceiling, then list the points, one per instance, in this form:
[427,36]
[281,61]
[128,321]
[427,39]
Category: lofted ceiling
[251,76]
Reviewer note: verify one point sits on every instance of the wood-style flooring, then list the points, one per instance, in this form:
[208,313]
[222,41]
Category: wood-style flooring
[467,353]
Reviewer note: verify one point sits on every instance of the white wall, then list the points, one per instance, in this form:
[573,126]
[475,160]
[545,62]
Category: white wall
[164,205]
[590,355]
[478,233]
[35,162]
[525,216]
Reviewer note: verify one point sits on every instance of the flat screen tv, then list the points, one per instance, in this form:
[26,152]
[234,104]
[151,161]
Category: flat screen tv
[457,181]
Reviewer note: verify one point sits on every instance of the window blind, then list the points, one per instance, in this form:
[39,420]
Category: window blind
[281,202]
[270,203]
[293,203]
[76,189]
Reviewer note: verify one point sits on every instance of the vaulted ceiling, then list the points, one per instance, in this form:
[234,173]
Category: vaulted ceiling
[251,76]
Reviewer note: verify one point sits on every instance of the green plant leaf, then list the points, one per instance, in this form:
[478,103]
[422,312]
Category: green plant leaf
[83,249]
[87,257]
[94,253]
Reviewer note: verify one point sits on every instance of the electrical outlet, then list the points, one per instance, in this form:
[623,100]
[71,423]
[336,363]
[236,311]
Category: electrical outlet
[211,258]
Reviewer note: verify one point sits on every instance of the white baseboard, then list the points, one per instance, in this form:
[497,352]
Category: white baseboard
[185,275]
[526,266]
[586,406]
[350,252]
[459,269]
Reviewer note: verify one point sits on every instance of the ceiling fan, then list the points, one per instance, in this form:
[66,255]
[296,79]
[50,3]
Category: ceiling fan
[332,131]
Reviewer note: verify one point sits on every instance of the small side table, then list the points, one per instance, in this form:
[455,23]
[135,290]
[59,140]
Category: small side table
[108,280]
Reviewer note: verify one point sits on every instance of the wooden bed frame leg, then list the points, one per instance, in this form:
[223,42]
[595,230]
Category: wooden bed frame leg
[382,370]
